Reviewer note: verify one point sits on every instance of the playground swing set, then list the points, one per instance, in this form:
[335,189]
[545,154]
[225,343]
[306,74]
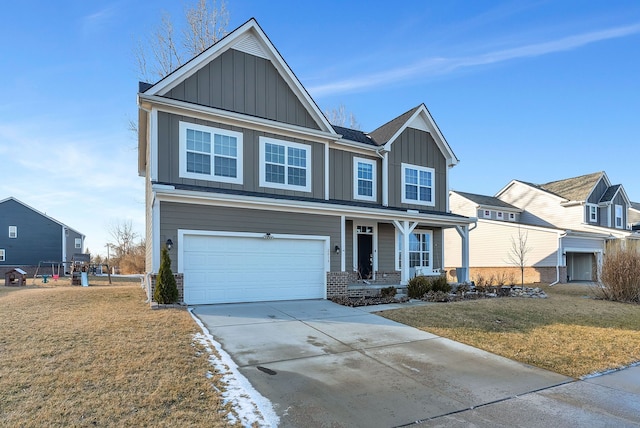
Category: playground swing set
[79,268]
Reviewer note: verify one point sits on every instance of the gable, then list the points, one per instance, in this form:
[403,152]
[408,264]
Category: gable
[248,69]
[244,83]
[418,119]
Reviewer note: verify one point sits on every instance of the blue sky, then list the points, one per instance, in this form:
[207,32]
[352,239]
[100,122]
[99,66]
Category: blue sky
[531,90]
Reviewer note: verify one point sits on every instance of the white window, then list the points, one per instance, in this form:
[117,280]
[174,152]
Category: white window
[486,214]
[418,185]
[13,231]
[78,243]
[2,259]
[500,215]
[593,213]
[364,179]
[420,249]
[208,153]
[285,165]
[512,217]
[619,216]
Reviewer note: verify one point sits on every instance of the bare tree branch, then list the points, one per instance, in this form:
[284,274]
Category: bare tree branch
[163,51]
[340,117]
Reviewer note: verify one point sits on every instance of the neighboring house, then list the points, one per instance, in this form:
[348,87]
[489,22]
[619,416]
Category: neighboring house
[634,216]
[263,199]
[567,223]
[28,237]
[552,254]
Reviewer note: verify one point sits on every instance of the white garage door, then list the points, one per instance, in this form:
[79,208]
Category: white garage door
[229,269]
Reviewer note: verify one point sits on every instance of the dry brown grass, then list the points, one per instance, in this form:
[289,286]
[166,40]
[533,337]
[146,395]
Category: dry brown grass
[98,356]
[570,332]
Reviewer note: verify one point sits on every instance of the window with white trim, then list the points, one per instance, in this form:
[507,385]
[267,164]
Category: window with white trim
[619,216]
[418,185]
[512,217]
[13,231]
[420,249]
[285,165]
[486,213]
[208,153]
[2,255]
[78,242]
[500,215]
[364,179]
[593,213]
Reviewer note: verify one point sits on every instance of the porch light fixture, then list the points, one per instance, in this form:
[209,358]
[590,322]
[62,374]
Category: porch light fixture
[337,249]
[169,244]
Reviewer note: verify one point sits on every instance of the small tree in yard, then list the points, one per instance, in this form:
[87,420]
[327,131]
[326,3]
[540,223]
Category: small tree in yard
[519,251]
[166,291]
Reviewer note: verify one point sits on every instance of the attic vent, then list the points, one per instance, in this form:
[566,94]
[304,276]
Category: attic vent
[251,45]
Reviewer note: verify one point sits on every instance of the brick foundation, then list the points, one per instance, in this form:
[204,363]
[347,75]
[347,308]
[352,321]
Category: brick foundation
[337,283]
[151,286]
[532,275]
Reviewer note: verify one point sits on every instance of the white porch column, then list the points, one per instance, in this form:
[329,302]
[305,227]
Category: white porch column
[463,231]
[342,243]
[405,228]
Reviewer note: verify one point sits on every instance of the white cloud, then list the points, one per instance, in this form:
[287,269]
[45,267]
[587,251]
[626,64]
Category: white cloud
[439,66]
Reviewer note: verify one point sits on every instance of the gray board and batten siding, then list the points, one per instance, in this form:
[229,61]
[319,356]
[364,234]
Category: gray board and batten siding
[341,175]
[599,190]
[226,219]
[169,158]
[39,238]
[243,83]
[417,147]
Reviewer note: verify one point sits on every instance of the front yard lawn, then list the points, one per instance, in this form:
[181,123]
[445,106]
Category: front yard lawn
[570,332]
[98,356]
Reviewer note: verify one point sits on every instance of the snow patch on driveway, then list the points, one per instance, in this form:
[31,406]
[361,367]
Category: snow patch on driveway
[251,407]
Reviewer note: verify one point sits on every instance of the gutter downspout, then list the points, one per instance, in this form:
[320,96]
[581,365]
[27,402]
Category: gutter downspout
[559,258]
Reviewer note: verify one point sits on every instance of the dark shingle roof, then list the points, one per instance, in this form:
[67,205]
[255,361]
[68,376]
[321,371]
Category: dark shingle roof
[487,201]
[385,132]
[354,135]
[635,205]
[610,193]
[575,188]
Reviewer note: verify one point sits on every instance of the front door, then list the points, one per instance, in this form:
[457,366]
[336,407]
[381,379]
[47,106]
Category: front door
[365,255]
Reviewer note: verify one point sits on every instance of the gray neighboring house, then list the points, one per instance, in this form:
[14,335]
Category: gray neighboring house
[263,199]
[28,237]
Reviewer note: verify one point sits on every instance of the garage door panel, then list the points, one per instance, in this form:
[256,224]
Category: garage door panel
[225,269]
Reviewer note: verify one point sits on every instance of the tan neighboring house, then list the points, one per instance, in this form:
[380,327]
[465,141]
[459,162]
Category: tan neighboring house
[263,199]
[566,223]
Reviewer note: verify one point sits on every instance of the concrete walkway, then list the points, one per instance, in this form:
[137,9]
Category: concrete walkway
[322,364]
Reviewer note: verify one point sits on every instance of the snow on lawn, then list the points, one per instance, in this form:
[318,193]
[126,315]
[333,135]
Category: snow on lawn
[249,405]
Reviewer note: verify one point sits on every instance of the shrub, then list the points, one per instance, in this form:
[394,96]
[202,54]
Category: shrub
[440,284]
[418,286]
[166,291]
[621,272]
[388,292]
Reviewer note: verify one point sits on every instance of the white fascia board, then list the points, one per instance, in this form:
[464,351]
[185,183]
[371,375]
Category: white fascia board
[228,42]
[521,226]
[442,144]
[237,119]
[251,202]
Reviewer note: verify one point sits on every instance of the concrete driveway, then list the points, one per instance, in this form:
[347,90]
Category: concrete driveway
[322,364]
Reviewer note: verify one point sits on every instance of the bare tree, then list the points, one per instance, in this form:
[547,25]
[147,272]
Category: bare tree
[341,117]
[124,236]
[163,50]
[519,251]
